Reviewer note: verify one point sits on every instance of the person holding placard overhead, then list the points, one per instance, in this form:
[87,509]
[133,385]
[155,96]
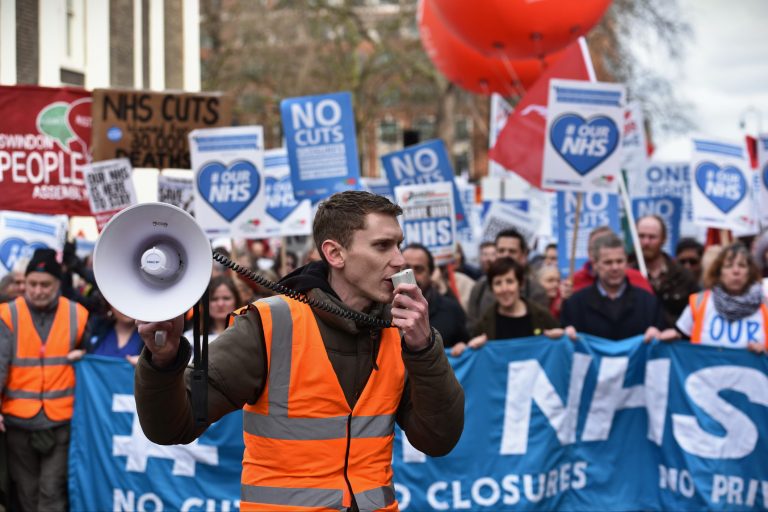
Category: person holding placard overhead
[731,312]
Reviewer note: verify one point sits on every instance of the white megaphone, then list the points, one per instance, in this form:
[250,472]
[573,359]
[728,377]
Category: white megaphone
[152,262]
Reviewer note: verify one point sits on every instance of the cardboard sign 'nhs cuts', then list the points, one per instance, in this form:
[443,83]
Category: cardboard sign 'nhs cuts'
[228,165]
[424,163]
[722,189]
[321,144]
[582,147]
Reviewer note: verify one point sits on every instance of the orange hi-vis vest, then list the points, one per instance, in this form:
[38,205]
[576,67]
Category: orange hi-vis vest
[305,448]
[698,305]
[39,374]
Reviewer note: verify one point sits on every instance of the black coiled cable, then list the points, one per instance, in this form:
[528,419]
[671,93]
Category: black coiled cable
[358,317]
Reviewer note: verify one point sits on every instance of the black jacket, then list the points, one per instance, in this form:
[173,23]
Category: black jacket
[614,319]
[447,316]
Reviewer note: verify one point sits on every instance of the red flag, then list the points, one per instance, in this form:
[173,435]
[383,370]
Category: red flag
[520,144]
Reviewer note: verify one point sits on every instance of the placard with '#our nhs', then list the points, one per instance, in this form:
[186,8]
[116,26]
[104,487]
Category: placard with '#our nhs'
[23,233]
[722,185]
[582,146]
[421,164]
[228,168]
[284,215]
[321,143]
[762,169]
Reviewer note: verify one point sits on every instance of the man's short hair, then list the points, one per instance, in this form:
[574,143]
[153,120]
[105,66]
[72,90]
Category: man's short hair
[487,243]
[658,219]
[689,243]
[420,247]
[608,241]
[339,216]
[512,233]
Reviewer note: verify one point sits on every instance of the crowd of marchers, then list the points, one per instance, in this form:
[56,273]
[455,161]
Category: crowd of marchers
[710,296]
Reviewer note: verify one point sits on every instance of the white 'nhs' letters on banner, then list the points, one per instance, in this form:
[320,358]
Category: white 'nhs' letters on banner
[722,196]
[582,148]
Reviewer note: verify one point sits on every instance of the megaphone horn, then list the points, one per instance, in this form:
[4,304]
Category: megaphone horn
[152,262]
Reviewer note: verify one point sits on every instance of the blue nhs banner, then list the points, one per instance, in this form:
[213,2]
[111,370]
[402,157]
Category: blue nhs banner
[597,209]
[669,209]
[321,143]
[113,466]
[422,164]
[599,425]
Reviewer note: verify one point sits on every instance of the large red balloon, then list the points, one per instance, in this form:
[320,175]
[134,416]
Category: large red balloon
[520,28]
[470,69]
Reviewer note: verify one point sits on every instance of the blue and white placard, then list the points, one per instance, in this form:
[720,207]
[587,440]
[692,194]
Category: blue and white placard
[424,163]
[501,215]
[176,190]
[762,169]
[379,186]
[284,215]
[667,179]
[634,151]
[22,233]
[429,218]
[669,209]
[597,209]
[228,167]
[722,183]
[321,143]
[582,150]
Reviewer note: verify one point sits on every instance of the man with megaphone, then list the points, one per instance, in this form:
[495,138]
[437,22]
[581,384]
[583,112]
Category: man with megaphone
[320,392]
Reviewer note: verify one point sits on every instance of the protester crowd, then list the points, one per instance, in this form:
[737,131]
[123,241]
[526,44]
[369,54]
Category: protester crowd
[711,296]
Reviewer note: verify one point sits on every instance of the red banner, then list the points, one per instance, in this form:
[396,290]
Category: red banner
[520,144]
[45,137]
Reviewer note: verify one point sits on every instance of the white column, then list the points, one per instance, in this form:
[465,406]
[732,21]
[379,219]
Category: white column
[7,42]
[157,45]
[191,29]
[138,46]
[52,41]
[96,44]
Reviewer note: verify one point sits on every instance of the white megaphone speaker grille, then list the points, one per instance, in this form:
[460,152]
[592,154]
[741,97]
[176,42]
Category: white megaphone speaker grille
[152,262]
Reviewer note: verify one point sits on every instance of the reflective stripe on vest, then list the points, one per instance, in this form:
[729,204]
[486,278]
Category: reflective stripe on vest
[366,437]
[40,375]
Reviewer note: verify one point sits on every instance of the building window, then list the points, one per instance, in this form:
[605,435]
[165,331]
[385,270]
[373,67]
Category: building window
[426,127]
[462,129]
[389,132]
[74,31]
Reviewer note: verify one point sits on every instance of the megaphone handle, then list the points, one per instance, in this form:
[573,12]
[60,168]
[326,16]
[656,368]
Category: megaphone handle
[160,338]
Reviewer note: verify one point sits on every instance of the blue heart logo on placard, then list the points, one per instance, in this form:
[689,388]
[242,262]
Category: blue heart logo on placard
[280,200]
[725,186]
[229,190]
[12,249]
[584,144]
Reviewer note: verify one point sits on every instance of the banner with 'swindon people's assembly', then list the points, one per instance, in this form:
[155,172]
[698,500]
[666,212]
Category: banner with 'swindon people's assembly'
[549,425]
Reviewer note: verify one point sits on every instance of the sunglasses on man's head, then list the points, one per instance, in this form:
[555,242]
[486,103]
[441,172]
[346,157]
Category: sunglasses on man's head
[688,261]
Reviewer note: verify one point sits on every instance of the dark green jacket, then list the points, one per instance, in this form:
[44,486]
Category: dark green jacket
[541,319]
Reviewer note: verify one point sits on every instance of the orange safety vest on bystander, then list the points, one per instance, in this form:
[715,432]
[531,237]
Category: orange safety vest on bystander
[39,375]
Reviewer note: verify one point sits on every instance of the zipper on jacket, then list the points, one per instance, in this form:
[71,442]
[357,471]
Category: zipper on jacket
[353,506]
